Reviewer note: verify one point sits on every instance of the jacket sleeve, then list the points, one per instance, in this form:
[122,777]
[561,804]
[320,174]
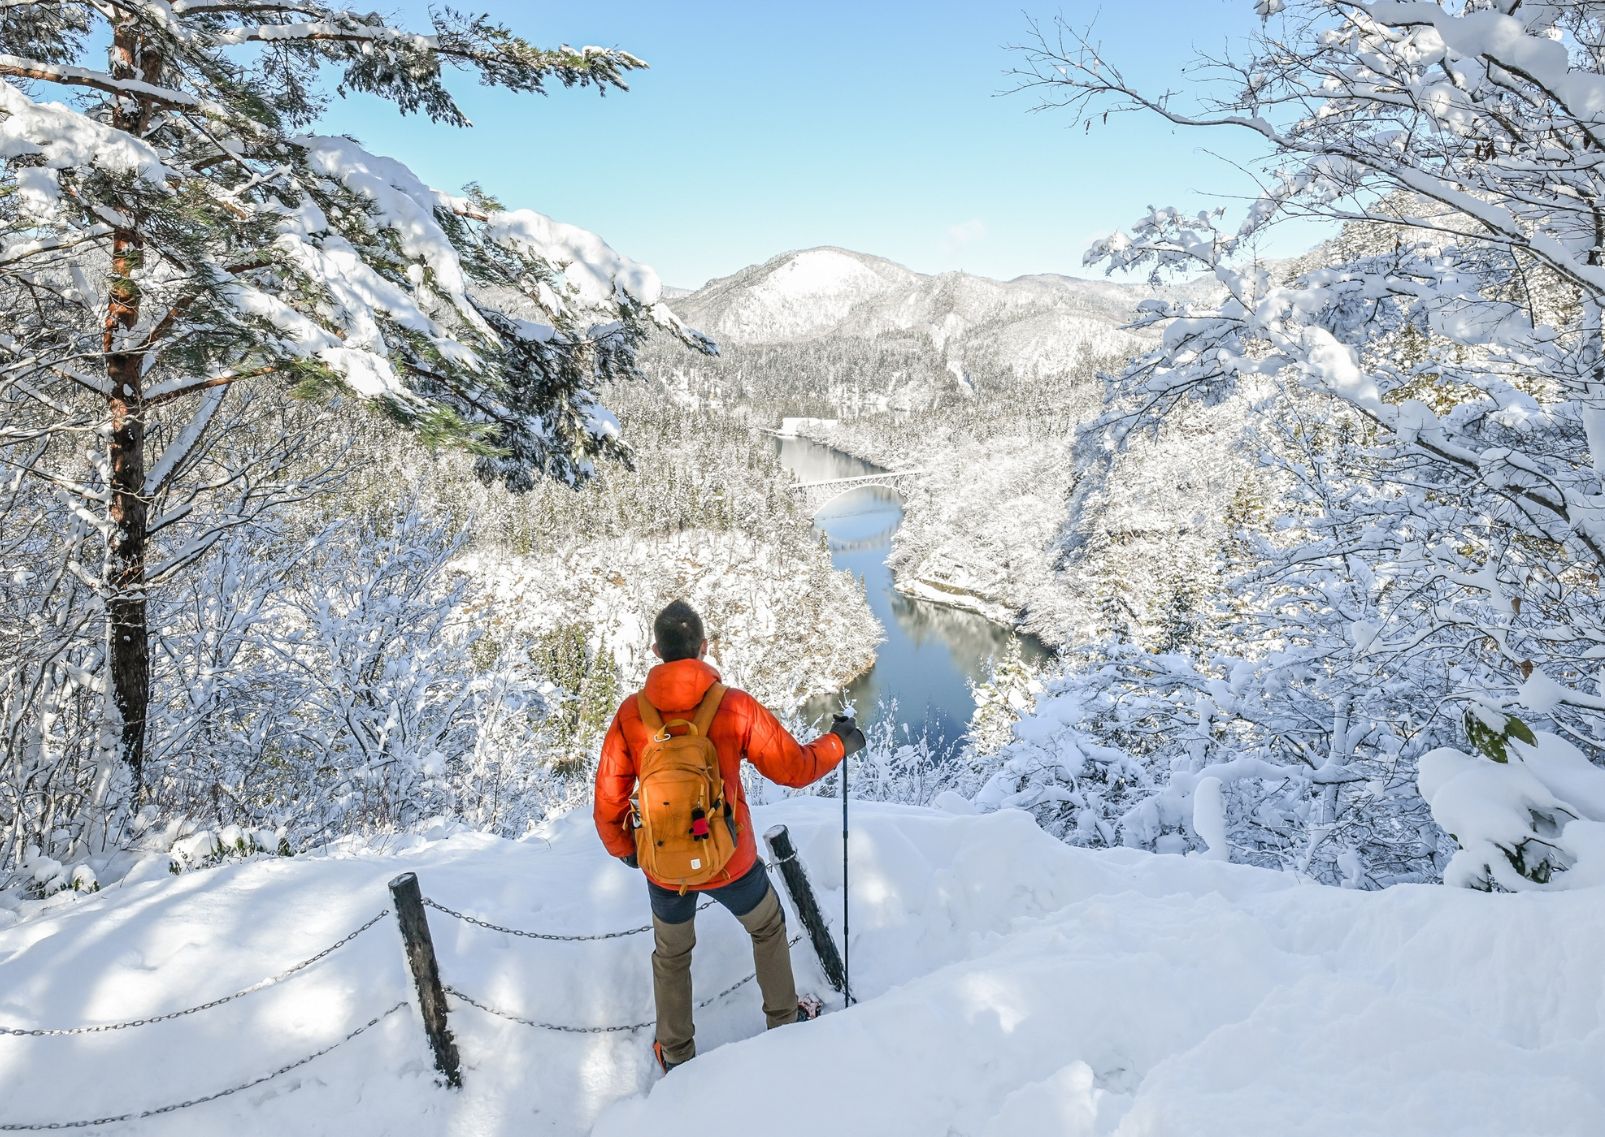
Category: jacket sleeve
[781,758]
[615,782]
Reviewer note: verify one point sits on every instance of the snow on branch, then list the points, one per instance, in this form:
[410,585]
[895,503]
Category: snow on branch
[61,138]
[19,67]
[598,278]
[1423,410]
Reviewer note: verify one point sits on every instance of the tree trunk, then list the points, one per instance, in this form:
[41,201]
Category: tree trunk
[1337,756]
[128,649]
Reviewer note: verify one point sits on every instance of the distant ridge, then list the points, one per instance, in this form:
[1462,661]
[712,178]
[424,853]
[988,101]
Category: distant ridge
[1035,323]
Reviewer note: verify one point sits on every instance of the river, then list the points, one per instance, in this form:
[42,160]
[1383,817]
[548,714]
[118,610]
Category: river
[931,651]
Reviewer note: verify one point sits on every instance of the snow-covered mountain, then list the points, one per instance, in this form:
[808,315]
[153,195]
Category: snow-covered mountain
[1034,324]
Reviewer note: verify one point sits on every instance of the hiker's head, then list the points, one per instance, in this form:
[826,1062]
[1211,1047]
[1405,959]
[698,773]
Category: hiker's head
[677,633]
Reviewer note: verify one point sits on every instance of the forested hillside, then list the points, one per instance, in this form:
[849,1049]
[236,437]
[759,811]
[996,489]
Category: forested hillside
[315,524]
[825,331]
[981,383]
[1331,520]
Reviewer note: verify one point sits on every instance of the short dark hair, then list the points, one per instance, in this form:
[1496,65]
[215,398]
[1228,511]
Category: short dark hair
[678,632]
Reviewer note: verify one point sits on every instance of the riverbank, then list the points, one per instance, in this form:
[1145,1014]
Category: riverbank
[960,599]
[981,526]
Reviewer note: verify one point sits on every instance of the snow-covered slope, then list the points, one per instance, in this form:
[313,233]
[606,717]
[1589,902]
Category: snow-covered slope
[1011,985]
[1033,323]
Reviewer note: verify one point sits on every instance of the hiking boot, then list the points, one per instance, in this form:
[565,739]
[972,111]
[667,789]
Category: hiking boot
[808,1008]
[663,1062]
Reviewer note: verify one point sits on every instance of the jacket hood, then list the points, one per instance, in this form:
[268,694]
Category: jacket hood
[679,686]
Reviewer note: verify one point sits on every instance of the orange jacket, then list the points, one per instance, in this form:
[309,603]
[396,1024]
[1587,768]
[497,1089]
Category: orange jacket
[742,728]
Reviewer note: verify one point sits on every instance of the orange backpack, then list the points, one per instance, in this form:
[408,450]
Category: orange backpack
[685,830]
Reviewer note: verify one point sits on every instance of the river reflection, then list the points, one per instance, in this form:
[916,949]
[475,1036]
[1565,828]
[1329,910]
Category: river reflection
[930,651]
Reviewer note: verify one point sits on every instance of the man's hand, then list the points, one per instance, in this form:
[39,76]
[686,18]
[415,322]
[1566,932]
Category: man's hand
[631,861]
[845,727]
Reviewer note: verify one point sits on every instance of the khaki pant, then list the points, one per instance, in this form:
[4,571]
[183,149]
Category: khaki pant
[671,974]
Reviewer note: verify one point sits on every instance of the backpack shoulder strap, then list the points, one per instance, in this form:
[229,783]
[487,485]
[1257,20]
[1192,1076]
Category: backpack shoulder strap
[649,714]
[703,718]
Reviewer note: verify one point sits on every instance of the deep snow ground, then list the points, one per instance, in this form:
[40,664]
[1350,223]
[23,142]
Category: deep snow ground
[1011,985]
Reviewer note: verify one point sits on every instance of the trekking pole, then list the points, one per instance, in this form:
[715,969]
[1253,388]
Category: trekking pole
[847,943]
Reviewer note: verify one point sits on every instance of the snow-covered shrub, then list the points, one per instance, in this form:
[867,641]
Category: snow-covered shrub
[45,876]
[63,793]
[899,765]
[1527,809]
[1307,778]
[331,685]
[375,630]
[210,847]
[1059,766]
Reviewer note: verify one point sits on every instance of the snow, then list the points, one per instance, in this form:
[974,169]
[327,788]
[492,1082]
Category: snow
[1594,429]
[184,443]
[404,205]
[357,291]
[368,373]
[1545,802]
[273,33]
[66,139]
[1010,985]
[1540,693]
[1567,773]
[816,272]
[1209,817]
[362,358]
[407,206]
[1039,325]
[1335,366]
[1507,41]
[591,266]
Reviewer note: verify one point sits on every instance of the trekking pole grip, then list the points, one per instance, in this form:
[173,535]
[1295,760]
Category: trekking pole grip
[784,855]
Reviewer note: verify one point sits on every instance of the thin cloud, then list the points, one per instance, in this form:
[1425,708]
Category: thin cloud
[965,233]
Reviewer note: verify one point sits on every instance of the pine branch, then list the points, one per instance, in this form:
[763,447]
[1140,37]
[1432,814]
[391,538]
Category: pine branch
[162,394]
[19,67]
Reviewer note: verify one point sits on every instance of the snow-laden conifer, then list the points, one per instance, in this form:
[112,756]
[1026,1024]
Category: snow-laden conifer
[175,242]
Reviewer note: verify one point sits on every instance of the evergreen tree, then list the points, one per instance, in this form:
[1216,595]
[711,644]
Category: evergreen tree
[170,238]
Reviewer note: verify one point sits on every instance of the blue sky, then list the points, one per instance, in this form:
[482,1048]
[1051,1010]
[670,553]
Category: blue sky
[764,126]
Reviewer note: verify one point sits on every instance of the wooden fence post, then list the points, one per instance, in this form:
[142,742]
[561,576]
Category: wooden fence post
[783,854]
[426,974]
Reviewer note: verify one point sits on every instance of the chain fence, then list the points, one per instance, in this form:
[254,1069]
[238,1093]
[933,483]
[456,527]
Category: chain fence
[566,1028]
[270,981]
[298,968]
[506,931]
[140,1115]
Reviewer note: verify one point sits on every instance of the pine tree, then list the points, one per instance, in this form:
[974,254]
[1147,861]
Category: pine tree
[171,240]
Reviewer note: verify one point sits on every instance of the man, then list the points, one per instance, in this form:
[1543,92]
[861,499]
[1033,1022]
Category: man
[739,728]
